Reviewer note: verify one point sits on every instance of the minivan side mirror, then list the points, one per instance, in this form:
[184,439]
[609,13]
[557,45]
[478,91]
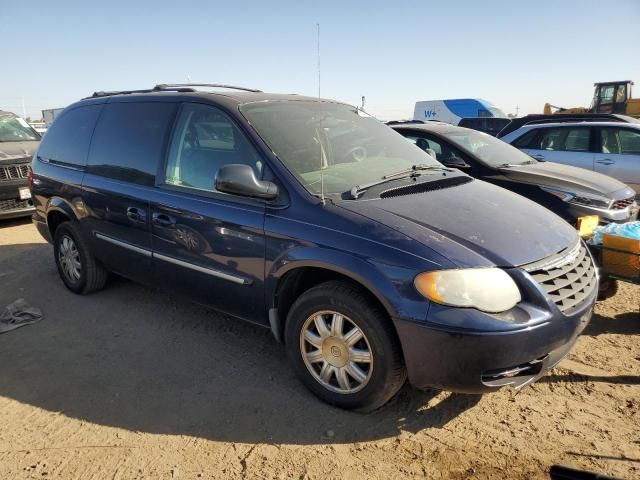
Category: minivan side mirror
[239,179]
[456,162]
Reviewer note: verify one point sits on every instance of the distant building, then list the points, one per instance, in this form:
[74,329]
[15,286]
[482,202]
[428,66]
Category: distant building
[50,114]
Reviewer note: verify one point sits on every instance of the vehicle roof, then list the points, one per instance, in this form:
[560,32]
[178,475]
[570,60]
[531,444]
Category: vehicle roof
[233,96]
[579,124]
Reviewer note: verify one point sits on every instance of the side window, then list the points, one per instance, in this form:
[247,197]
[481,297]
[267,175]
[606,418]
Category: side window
[577,140]
[526,140]
[427,144]
[620,141]
[565,139]
[606,94]
[67,140]
[204,140]
[129,140]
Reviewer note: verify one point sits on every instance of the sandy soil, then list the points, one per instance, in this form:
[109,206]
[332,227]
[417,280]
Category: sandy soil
[133,383]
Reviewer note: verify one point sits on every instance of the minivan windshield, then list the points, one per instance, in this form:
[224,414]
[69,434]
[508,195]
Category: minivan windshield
[15,129]
[488,149]
[333,144]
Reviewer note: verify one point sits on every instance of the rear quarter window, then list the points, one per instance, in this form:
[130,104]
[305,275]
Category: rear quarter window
[67,140]
[129,141]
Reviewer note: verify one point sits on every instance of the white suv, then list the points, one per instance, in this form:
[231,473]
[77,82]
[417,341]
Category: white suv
[611,148]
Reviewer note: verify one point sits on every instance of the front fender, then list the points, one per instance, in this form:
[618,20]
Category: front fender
[391,284]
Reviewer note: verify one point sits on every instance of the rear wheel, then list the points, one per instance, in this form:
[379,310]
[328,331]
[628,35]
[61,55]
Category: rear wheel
[77,267]
[344,348]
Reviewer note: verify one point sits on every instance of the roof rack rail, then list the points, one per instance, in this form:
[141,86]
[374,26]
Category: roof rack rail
[172,86]
[144,90]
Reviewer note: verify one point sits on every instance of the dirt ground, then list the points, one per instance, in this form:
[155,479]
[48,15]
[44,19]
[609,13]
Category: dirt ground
[133,383]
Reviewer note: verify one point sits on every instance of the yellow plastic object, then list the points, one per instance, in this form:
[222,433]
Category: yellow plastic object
[587,224]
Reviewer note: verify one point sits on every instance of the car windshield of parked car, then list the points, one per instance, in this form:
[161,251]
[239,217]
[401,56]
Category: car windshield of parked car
[332,146]
[15,129]
[488,149]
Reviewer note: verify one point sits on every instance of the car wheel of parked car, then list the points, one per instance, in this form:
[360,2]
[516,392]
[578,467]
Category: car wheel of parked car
[608,288]
[344,347]
[78,268]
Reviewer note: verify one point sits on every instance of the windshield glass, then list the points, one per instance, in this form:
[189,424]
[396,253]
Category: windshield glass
[348,146]
[488,149]
[15,129]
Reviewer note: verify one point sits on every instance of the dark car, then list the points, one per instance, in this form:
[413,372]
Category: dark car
[569,191]
[18,142]
[365,256]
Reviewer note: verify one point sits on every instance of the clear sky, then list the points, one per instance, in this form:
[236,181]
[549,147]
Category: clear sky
[395,53]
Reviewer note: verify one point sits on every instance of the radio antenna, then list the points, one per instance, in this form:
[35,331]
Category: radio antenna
[322,152]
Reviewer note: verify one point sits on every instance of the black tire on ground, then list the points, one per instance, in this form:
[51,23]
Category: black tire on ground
[608,288]
[93,275]
[388,372]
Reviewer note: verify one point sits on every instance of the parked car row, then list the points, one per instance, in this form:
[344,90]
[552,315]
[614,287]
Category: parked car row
[611,148]
[367,257]
[566,190]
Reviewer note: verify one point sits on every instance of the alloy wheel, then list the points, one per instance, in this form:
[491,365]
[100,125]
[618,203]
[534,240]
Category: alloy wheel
[69,258]
[336,352]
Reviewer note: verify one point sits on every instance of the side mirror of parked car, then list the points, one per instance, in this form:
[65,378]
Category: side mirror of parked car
[456,162]
[241,180]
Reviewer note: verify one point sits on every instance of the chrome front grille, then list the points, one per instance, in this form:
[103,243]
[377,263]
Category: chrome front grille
[13,172]
[622,204]
[568,278]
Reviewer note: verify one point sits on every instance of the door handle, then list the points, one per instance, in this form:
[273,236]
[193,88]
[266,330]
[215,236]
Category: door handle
[538,157]
[163,220]
[606,161]
[136,214]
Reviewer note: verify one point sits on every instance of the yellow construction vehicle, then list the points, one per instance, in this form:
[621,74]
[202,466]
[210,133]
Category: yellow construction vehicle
[608,97]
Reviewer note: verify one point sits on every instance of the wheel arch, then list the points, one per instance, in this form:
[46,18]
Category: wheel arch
[59,211]
[293,278]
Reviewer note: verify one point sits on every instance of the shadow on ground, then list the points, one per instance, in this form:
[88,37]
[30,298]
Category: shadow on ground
[136,358]
[624,324]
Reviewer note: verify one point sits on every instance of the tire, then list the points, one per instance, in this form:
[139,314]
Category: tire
[340,383]
[69,243]
[608,288]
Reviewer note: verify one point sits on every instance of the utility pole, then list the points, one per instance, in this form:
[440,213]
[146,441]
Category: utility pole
[24,110]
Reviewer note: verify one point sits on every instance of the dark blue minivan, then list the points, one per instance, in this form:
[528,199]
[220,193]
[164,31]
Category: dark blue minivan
[366,257]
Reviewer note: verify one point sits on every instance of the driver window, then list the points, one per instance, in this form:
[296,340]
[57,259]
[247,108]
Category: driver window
[430,146]
[205,139]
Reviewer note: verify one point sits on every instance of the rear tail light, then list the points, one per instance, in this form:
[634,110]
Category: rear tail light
[30,178]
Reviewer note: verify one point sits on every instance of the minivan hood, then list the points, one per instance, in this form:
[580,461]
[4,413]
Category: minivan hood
[11,151]
[568,178]
[475,224]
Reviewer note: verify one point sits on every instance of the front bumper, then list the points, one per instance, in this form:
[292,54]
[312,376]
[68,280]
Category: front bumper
[469,360]
[607,215]
[11,206]
[14,208]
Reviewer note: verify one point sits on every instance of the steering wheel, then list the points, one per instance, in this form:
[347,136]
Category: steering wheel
[358,154]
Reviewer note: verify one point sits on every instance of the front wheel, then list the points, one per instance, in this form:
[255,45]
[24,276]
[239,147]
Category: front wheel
[344,347]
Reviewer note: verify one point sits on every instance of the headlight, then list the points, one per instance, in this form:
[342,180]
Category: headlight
[488,289]
[584,200]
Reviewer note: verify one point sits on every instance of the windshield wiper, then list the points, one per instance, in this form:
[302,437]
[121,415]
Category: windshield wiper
[412,171]
[414,168]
